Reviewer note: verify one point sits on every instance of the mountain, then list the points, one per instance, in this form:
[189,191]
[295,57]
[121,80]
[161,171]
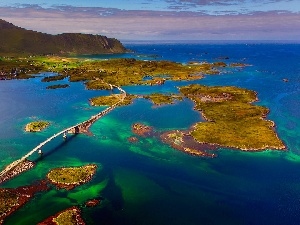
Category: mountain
[18,40]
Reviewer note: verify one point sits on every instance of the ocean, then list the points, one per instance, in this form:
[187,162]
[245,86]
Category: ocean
[149,182]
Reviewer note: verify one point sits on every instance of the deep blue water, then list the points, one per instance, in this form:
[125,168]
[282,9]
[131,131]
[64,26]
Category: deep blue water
[149,182]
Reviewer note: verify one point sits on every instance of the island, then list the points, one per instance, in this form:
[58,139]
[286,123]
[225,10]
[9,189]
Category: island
[162,99]
[36,126]
[53,78]
[70,177]
[57,86]
[231,119]
[112,100]
[70,216]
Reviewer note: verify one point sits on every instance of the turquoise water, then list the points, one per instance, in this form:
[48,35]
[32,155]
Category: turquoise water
[148,182]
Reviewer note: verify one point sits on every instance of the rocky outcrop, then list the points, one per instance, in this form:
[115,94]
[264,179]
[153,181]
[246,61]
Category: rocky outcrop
[20,168]
[18,40]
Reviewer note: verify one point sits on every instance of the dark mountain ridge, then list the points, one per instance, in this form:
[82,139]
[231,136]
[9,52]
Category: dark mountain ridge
[18,40]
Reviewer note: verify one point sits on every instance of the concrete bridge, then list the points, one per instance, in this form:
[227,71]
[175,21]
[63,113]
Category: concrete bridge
[82,127]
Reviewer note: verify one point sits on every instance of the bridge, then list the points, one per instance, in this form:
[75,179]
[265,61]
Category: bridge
[76,129]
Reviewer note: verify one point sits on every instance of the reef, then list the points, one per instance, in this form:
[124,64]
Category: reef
[70,177]
[11,199]
[70,216]
[141,129]
[92,203]
[133,139]
[36,126]
[183,141]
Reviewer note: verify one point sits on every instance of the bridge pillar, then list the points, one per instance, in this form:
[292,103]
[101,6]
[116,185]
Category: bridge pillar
[77,130]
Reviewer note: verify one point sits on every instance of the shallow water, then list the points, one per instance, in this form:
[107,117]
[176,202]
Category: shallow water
[149,182]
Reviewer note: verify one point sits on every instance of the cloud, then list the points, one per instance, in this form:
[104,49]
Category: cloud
[157,25]
[240,6]
[193,3]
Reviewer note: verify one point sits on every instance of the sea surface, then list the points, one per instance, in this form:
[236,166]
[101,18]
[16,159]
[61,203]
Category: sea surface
[149,182]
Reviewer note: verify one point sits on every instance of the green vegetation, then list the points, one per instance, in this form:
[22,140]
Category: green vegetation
[112,99]
[67,217]
[232,120]
[160,99]
[36,126]
[17,40]
[8,200]
[132,72]
[72,176]
[12,68]
[128,99]
[97,85]
[105,100]
[58,86]
[99,73]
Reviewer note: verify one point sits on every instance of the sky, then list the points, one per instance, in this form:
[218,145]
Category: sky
[176,20]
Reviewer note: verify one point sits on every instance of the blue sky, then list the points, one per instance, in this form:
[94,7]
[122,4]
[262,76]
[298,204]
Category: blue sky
[160,19]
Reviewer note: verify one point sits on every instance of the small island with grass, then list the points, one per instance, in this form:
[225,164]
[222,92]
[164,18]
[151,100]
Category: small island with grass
[163,99]
[70,177]
[36,126]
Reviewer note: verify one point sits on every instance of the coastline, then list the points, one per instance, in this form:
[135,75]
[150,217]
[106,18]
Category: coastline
[20,168]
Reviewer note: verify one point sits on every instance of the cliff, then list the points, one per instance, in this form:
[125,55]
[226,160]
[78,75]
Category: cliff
[18,40]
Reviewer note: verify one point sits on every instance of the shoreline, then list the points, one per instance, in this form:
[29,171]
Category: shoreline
[17,170]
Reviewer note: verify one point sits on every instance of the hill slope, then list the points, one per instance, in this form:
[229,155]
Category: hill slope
[14,39]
